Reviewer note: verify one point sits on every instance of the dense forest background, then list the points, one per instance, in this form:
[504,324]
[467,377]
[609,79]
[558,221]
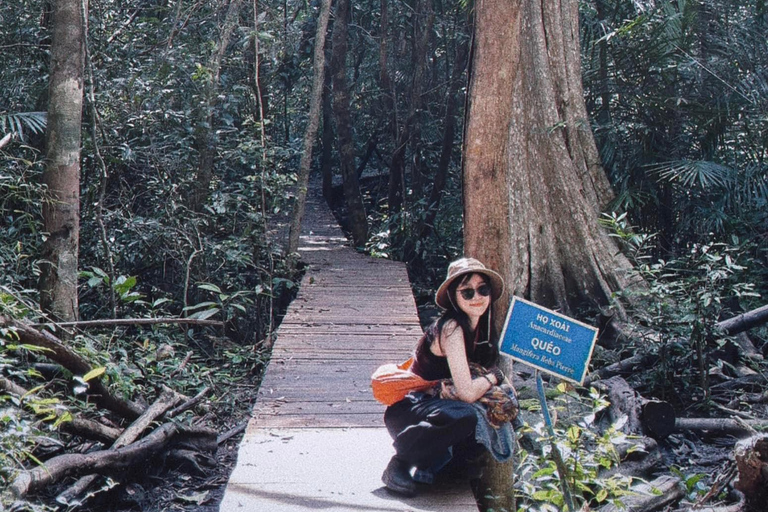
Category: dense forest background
[193,119]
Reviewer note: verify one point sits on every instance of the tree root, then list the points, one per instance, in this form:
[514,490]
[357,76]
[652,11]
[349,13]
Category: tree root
[112,462]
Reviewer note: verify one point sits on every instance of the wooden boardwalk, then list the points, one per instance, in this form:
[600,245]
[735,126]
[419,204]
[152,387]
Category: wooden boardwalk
[316,440]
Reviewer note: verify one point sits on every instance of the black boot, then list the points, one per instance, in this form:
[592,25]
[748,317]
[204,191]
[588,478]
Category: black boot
[397,477]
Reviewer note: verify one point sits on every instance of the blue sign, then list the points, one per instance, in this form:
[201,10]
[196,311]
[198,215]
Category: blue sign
[549,341]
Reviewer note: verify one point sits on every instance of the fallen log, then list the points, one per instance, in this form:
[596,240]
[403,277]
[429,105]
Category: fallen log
[622,367]
[72,361]
[650,496]
[722,426]
[751,456]
[190,461]
[113,463]
[653,418]
[166,400]
[744,321]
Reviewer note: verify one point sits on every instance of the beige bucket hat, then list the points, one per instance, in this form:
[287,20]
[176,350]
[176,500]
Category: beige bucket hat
[464,266]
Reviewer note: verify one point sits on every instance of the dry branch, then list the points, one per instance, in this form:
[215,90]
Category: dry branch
[109,322]
[72,361]
[105,462]
[14,389]
[189,403]
[232,432]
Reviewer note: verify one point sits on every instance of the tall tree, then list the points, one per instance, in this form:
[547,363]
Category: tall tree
[205,134]
[534,186]
[61,210]
[358,220]
[313,122]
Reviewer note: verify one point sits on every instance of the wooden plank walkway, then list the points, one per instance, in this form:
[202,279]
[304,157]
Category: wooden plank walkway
[316,440]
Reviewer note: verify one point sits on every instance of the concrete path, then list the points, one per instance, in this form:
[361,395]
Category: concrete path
[316,440]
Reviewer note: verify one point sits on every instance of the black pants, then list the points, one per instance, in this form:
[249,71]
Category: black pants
[425,427]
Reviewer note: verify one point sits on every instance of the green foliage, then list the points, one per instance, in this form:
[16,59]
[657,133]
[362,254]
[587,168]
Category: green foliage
[684,300]
[695,483]
[589,450]
[677,95]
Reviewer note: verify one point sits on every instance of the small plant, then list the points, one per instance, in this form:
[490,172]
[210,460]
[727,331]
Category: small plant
[695,484]
[587,453]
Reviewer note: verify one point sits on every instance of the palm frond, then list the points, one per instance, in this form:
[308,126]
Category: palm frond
[753,186]
[16,123]
[694,173]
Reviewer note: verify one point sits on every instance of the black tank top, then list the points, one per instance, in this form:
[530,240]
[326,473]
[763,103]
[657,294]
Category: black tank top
[430,366]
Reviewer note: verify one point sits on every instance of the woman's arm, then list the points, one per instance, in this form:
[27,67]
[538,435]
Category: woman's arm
[452,345]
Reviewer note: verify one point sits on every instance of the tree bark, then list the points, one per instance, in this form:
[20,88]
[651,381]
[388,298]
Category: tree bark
[751,457]
[61,210]
[486,200]
[533,181]
[311,130]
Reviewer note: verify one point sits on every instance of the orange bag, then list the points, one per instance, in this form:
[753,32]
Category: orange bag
[391,382]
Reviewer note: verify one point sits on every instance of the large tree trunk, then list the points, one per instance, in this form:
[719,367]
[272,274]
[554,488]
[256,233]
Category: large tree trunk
[312,125]
[358,221]
[61,211]
[533,182]
[533,185]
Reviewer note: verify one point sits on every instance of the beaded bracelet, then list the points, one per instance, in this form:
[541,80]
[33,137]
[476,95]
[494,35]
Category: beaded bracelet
[498,374]
[485,376]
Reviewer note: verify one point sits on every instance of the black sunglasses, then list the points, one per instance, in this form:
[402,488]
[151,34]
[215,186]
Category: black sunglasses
[469,293]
